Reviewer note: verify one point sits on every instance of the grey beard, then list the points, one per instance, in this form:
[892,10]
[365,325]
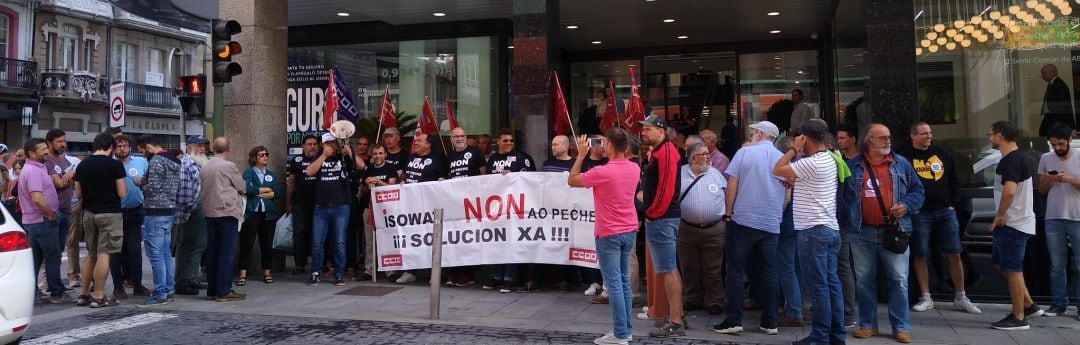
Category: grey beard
[200,159]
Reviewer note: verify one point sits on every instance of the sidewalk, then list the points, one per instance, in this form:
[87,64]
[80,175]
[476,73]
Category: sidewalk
[570,312]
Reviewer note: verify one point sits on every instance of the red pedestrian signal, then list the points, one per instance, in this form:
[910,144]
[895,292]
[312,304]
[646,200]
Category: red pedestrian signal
[193,85]
[192,95]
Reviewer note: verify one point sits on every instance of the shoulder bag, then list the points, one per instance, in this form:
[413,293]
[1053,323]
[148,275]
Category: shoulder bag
[893,238]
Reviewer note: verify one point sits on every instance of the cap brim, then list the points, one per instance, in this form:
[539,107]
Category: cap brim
[647,123]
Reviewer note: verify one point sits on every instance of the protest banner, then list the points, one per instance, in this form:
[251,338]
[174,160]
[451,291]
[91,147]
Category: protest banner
[530,217]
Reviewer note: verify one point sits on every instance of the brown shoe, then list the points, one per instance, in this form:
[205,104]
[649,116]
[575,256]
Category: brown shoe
[119,294]
[787,321]
[903,337]
[140,290]
[231,297]
[863,333]
[598,299]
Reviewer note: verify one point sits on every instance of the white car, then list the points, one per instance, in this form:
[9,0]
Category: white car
[16,280]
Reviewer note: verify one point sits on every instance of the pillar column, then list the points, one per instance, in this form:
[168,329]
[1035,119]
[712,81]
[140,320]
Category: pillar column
[536,54]
[255,100]
[890,37]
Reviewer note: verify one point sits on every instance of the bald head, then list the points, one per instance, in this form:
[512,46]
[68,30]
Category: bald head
[710,139]
[221,145]
[1048,72]
[560,147]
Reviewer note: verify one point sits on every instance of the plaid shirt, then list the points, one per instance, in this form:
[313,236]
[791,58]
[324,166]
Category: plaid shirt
[190,185]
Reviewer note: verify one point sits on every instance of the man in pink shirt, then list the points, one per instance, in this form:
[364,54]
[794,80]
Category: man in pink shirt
[614,185]
[37,196]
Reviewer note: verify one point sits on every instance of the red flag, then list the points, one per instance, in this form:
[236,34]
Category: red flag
[331,104]
[559,111]
[387,114]
[450,114]
[611,115]
[426,123]
[635,111]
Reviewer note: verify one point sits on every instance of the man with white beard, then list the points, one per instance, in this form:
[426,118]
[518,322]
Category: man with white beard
[190,226]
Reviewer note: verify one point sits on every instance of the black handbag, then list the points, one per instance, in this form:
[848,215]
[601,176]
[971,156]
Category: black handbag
[893,238]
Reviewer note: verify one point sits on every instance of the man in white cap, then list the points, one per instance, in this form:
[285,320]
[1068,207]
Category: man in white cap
[753,215]
[333,197]
[395,154]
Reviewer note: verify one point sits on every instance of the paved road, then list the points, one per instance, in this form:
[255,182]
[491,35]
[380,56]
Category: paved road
[136,325]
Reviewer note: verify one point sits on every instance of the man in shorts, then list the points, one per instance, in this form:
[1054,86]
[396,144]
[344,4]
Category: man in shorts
[99,185]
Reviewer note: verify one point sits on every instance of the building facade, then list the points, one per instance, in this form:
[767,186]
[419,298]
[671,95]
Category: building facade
[18,70]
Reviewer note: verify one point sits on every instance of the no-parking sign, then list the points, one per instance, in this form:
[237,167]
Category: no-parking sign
[116,105]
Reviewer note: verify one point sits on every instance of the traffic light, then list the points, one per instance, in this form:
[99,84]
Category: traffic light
[192,94]
[224,49]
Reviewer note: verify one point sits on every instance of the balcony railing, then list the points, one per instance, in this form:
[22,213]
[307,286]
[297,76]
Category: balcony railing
[88,87]
[139,95]
[18,73]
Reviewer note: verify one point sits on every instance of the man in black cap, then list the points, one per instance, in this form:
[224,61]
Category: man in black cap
[190,221]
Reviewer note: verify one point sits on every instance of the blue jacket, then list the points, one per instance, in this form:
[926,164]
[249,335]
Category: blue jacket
[251,179]
[907,189]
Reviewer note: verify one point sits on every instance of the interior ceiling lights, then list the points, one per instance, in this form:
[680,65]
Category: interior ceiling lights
[963,23]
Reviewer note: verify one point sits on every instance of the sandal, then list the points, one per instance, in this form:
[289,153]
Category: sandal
[103,302]
[82,301]
[241,281]
[268,279]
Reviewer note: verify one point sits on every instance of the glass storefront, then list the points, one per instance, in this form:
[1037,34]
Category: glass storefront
[461,70]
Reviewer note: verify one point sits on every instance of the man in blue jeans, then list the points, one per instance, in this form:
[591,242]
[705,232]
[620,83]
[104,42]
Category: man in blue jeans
[755,202]
[660,197]
[37,195]
[161,190]
[333,195]
[814,217]
[900,191]
[128,263]
[613,186]
[1059,180]
[62,173]
[221,197]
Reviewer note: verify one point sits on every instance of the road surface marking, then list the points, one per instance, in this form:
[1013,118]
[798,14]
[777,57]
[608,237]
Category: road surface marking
[91,331]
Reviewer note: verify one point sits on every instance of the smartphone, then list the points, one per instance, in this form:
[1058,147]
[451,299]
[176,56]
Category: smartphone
[1053,172]
[596,142]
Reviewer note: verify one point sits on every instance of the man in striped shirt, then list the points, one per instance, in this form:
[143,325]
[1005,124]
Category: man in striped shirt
[814,205]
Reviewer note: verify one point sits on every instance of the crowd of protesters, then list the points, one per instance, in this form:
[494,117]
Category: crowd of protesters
[814,215]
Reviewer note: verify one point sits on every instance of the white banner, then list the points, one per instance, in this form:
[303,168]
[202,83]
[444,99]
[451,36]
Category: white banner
[529,217]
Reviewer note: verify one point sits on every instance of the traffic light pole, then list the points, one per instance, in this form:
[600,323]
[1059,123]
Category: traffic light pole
[219,110]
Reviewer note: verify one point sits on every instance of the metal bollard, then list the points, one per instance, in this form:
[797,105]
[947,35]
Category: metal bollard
[436,263]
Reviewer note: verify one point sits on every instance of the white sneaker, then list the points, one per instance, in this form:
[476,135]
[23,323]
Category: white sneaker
[406,278]
[643,316]
[593,288]
[610,339]
[965,304]
[923,305]
[645,309]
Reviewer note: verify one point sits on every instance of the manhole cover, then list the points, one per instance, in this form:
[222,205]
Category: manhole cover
[369,291]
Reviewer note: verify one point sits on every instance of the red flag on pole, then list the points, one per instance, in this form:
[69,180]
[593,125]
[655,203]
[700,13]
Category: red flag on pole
[450,114]
[331,104]
[635,111]
[387,114]
[611,115]
[563,126]
[426,123]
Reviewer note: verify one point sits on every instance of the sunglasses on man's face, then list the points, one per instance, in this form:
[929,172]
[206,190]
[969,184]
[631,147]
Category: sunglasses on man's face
[264,154]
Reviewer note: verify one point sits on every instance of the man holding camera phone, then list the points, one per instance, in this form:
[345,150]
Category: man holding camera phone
[1058,172]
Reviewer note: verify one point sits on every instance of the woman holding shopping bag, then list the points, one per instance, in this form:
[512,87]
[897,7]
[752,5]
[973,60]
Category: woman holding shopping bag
[264,190]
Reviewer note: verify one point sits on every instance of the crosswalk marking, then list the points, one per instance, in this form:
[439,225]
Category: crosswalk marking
[91,331]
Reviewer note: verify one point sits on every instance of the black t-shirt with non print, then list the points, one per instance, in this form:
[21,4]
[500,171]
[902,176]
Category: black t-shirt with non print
[513,161]
[97,177]
[399,159]
[430,167]
[333,186]
[303,185]
[466,162]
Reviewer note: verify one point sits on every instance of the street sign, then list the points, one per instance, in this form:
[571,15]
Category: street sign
[116,105]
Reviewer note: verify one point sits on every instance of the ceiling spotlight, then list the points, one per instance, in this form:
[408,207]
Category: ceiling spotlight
[950,46]
[976,20]
[343,14]
[995,15]
[925,43]
[669,20]
[939,27]
[776,68]
[683,37]
[958,24]
[796,82]
[776,57]
[999,35]
[918,51]
[773,13]
[969,28]
[958,37]
[933,49]
[571,27]
[1066,11]
[965,43]
[931,35]
[774,32]
[1032,3]
[1014,9]
[982,38]
[596,42]
[778,76]
[942,40]
[439,14]
[950,32]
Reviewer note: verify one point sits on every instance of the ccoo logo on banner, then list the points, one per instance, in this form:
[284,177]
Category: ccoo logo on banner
[493,219]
